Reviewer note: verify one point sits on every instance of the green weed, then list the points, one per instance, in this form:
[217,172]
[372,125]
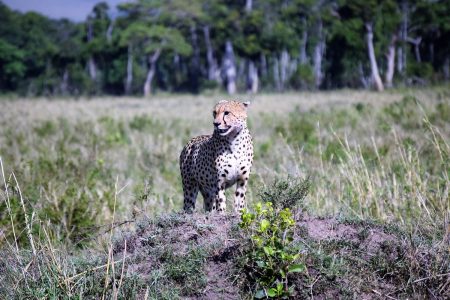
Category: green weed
[288,193]
[271,255]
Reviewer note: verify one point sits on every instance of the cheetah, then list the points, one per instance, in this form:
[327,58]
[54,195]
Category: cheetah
[212,163]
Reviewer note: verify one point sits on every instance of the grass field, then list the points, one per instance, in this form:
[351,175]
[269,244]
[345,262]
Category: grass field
[73,169]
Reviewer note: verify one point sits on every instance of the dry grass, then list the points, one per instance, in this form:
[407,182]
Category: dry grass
[144,156]
[370,156]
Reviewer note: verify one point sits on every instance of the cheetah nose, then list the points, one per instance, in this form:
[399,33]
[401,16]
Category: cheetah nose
[216,124]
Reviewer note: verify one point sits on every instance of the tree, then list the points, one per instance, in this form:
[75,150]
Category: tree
[154,40]
[98,25]
[189,45]
[13,67]
[379,20]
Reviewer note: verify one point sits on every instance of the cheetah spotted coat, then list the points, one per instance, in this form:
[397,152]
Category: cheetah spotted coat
[212,163]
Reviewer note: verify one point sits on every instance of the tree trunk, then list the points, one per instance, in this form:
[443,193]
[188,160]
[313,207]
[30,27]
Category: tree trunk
[264,70]
[65,82]
[403,36]
[318,75]
[151,72]
[431,49]
[196,48]
[390,61]
[276,73]
[129,79]
[303,56]
[400,67]
[241,71]
[362,77]
[284,64]
[416,42]
[319,50]
[92,68]
[91,62]
[446,68]
[213,70]
[373,62]
[229,68]
[248,5]
[109,31]
[252,80]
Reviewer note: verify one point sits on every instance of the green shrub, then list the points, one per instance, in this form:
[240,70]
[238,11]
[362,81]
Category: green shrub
[286,193]
[422,70]
[270,254]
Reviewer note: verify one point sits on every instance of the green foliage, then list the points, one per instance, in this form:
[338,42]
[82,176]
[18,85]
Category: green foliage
[41,56]
[421,70]
[155,37]
[334,152]
[405,112]
[303,78]
[270,256]
[441,114]
[115,131]
[13,67]
[186,270]
[82,277]
[286,193]
[300,130]
[142,123]
[63,183]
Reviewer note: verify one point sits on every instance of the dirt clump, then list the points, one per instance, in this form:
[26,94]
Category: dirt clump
[195,257]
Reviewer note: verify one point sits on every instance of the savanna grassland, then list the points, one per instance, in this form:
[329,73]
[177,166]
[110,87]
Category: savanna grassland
[90,198]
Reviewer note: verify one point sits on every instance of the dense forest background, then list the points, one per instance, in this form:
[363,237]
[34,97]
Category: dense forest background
[239,46]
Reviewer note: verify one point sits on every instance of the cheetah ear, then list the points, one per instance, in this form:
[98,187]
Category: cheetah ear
[246,104]
[222,101]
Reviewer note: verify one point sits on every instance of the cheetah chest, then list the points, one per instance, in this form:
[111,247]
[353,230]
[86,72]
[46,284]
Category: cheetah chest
[230,167]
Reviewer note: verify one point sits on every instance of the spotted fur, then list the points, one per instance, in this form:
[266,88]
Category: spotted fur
[212,163]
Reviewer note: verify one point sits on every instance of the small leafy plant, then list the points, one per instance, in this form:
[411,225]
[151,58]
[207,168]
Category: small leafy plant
[286,193]
[271,255]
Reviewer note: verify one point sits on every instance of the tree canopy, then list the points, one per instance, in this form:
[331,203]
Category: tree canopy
[245,45]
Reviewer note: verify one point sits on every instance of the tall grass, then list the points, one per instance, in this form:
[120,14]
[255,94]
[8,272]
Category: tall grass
[383,157]
[388,163]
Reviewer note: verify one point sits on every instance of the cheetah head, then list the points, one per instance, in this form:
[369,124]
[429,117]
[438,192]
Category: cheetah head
[230,117]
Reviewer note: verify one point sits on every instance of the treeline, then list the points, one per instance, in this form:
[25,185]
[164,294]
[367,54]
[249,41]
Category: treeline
[237,45]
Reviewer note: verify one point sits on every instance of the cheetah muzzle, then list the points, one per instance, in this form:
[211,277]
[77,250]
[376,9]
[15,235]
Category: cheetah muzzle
[212,163]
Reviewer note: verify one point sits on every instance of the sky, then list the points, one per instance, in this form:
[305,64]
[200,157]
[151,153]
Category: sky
[75,10]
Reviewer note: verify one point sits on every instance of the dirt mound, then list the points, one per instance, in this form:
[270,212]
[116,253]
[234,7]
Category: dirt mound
[178,236]
[194,257]
[369,238]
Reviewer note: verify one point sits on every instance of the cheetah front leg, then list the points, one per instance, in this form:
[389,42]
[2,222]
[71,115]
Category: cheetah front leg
[239,196]
[214,199]
[220,201]
[190,191]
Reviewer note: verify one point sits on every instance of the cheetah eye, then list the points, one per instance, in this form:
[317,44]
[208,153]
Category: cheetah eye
[214,114]
[226,113]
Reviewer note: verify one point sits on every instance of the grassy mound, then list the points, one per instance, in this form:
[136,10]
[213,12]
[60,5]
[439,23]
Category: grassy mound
[199,256]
